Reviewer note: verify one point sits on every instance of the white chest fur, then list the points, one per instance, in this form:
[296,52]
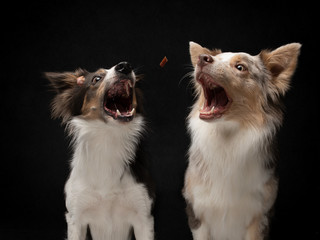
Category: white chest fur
[226,165]
[101,191]
[101,151]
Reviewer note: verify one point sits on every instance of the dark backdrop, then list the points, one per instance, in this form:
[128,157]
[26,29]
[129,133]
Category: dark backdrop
[62,36]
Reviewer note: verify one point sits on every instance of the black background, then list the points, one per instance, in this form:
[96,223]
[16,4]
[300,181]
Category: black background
[62,36]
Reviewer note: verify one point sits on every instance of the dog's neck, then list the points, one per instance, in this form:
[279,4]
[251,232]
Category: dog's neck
[102,151]
[227,141]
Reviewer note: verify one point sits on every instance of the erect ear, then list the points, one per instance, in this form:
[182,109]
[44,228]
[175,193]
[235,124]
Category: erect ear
[70,92]
[281,63]
[196,50]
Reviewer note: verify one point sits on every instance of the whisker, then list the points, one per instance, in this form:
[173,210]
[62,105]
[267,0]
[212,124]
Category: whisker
[188,75]
[136,70]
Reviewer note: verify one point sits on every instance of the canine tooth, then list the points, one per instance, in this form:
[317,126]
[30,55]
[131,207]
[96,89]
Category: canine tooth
[118,112]
[212,109]
[134,100]
[132,111]
[130,84]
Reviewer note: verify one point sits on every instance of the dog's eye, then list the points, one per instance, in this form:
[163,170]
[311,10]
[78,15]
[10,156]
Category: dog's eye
[241,68]
[96,79]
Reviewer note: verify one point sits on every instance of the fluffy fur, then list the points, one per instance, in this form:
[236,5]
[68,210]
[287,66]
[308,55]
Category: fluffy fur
[108,188]
[230,183]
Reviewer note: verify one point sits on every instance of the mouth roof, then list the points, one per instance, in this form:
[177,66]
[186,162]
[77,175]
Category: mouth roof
[216,98]
[119,100]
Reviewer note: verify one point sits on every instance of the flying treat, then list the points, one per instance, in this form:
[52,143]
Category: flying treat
[164,61]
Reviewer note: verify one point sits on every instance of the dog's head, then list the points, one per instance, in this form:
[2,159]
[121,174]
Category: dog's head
[107,94]
[238,86]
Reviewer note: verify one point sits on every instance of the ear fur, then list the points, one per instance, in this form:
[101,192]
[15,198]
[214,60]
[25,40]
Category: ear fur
[70,93]
[61,81]
[196,50]
[281,63]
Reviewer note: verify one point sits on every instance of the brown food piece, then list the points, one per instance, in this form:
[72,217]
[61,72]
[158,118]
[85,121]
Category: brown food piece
[164,61]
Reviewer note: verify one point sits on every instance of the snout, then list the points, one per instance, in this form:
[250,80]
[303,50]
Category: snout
[119,100]
[123,67]
[204,59]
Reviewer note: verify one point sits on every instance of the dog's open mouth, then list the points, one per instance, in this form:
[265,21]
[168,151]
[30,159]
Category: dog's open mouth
[120,101]
[216,99]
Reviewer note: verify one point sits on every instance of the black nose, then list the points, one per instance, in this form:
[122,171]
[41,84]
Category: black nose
[123,67]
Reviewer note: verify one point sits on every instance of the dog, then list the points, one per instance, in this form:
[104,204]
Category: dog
[230,182]
[109,190]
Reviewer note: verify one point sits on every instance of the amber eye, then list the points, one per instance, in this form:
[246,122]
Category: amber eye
[96,79]
[241,67]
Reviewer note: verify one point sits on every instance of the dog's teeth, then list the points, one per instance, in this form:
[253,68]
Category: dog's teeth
[130,84]
[118,112]
[212,109]
[132,111]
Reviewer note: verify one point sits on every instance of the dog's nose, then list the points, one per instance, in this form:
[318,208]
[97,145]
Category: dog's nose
[204,59]
[123,67]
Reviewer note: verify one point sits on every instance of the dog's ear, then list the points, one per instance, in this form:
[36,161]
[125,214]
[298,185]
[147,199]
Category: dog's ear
[196,50]
[70,90]
[61,81]
[281,63]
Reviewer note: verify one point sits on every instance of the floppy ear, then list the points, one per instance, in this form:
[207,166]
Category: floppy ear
[281,63]
[196,50]
[70,93]
[61,81]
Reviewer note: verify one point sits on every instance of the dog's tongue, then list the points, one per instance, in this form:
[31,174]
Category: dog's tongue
[221,98]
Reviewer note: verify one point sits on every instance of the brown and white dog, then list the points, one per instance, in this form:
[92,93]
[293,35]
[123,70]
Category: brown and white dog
[108,188]
[230,184]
